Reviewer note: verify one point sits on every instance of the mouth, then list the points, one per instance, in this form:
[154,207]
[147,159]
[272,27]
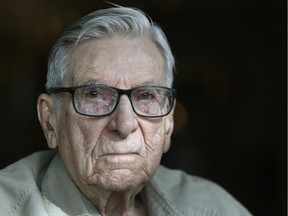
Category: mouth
[120,155]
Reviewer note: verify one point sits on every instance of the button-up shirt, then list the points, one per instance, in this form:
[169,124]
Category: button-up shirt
[39,185]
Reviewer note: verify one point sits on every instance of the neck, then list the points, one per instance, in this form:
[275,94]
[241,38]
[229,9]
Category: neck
[120,203]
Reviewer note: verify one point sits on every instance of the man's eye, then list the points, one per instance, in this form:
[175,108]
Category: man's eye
[146,96]
[92,94]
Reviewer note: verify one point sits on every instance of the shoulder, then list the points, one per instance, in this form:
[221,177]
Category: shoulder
[195,194]
[19,180]
[28,168]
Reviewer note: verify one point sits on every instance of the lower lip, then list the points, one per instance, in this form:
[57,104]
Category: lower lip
[119,157]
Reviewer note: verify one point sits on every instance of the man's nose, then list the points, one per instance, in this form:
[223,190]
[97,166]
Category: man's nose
[123,120]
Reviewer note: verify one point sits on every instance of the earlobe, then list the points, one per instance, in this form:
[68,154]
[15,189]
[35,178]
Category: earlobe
[45,110]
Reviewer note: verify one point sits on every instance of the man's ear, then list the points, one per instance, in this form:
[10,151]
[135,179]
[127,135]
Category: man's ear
[46,116]
[169,128]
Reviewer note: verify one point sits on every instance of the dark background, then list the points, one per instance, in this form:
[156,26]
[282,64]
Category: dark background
[231,110]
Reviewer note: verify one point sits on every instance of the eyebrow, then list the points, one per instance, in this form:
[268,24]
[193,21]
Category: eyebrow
[97,82]
[150,83]
[92,82]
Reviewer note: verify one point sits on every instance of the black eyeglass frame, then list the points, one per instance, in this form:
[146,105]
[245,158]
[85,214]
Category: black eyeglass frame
[120,92]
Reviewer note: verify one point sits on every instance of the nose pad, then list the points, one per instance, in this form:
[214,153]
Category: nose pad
[123,120]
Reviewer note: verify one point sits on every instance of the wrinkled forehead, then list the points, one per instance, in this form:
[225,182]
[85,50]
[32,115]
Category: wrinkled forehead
[108,58]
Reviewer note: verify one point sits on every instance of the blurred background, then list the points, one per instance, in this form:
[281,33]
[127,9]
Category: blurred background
[230,121]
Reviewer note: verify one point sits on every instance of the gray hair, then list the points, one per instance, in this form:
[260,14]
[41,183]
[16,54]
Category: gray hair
[102,23]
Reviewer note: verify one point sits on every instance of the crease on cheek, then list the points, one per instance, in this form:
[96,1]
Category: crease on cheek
[155,138]
[76,142]
[90,148]
[154,145]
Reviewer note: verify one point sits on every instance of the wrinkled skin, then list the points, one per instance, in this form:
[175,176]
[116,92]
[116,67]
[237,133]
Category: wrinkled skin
[110,158]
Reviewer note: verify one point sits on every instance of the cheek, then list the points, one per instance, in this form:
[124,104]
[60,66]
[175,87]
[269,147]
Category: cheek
[77,141]
[70,144]
[154,135]
[154,143]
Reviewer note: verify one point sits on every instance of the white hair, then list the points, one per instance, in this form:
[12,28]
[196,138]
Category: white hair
[127,21]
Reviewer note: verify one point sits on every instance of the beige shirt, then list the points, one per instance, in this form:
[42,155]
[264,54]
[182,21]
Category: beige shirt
[39,185]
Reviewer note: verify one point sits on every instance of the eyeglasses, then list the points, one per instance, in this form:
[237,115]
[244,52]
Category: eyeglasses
[101,100]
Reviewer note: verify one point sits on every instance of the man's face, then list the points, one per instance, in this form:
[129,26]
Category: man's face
[122,150]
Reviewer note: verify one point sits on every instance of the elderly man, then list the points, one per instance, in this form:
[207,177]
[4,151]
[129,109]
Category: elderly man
[109,113]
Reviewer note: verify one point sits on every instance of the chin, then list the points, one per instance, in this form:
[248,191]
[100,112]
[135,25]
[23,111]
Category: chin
[123,180]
